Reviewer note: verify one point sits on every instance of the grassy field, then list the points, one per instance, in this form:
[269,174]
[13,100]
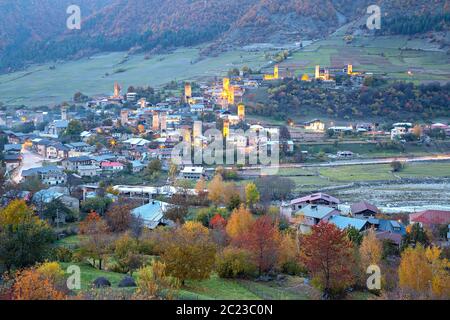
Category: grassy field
[70,242]
[383,172]
[423,170]
[43,84]
[394,55]
[89,274]
[307,179]
[358,173]
[211,289]
[40,85]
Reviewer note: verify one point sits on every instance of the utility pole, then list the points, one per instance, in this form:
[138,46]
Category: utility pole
[57,218]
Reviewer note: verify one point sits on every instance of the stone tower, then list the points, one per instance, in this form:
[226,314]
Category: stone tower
[241,112]
[317,75]
[226,128]
[155,122]
[276,72]
[187,92]
[64,113]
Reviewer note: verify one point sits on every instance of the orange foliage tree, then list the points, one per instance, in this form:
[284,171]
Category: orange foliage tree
[36,284]
[262,240]
[328,255]
[89,225]
[240,222]
[119,217]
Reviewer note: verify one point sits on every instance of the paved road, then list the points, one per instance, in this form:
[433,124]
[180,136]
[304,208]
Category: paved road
[30,160]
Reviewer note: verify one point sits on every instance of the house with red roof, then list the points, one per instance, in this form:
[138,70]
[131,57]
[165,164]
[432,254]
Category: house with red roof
[316,199]
[363,209]
[112,166]
[429,218]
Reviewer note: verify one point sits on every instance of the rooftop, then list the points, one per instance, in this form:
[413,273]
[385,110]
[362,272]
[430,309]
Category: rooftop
[431,217]
[152,214]
[316,211]
[363,206]
[315,197]
[344,222]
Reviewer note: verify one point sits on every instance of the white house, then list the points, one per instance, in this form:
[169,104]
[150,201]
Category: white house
[192,173]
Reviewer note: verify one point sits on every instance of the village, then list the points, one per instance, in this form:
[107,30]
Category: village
[86,157]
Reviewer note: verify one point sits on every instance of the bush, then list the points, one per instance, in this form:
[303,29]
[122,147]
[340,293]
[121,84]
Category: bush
[63,254]
[293,268]
[235,263]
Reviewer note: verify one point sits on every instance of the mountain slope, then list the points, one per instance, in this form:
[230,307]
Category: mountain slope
[34,31]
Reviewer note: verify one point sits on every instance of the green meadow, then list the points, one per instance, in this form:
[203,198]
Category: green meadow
[393,56]
[43,84]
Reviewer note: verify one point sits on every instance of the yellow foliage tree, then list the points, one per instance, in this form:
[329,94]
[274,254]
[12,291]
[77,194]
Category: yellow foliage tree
[37,284]
[414,271]
[289,250]
[423,271]
[240,222]
[15,213]
[200,187]
[189,252]
[440,282]
[251,194]
[371,250]
[229,191]
[152,282]
[52,271]
[216,189]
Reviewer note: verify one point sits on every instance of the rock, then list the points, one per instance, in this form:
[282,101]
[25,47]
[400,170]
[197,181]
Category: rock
[281,277]
[265,278]
[101,282]
[127,282]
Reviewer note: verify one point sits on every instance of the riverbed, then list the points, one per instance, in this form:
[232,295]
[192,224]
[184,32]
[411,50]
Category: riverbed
[399,197]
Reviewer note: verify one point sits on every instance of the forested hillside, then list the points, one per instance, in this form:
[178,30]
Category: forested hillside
[35,31]
[397,101]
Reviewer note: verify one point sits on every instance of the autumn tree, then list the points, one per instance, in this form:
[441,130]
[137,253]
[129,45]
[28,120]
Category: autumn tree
[173,169]
[37,283]
[119,217]
[422,271]
[235,262]
[371,250]
[15,213]
[328,255]
[189,252]
[126,254]
[217,222]
[440,281]
[91,223]
[216,190]
[231,196]
[24,238]
[251,194]
[153,282]
[262,240]
[176,213]
[240,222]
[415,234]
[288,253]
[97,242]
[200,189]
[218,230]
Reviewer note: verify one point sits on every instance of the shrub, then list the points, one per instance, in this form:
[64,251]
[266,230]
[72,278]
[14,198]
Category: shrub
[63,254]
[293,268]
[235,263]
